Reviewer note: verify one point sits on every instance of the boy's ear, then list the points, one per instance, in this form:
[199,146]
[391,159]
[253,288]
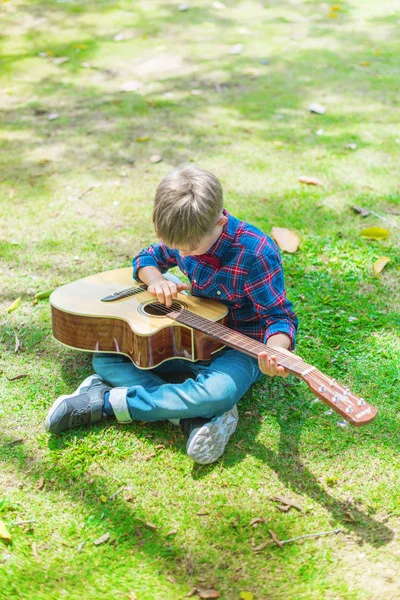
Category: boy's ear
[222,220]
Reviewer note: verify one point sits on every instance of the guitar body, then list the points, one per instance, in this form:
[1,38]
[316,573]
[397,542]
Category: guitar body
[134,325]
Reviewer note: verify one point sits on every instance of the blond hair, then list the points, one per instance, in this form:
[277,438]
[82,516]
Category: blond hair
[187,204]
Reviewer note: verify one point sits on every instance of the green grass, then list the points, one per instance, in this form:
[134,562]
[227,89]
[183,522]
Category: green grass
[74,203]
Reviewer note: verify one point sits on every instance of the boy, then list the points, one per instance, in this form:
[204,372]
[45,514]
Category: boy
[225,259]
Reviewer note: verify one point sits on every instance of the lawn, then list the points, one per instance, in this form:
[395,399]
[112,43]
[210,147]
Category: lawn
[228,87]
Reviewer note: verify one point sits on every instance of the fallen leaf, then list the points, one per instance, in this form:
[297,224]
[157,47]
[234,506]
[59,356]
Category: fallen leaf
[287,240]
[374,233]
[103,499]
[365,63]
[156,158]
[80,546]
[361,211]
[208,593]
[172,532]
[331,480]
[4,533]
[128,498]
[160,447]
[275,538]
[130,86]
[17,377]
[381,263]
[246,596]
[236,49]
[287,501]
[123,35]
[261,546]
[192,592]
[59,60]
[53,116]
[18,345]
[143,138]
[44,294]
[40,484]
[310,180]
[256,520]
[34,550]
[332,15]
[283,507]
[15,442]
[316,107]
[14,305]
[150,525]
[102,539]
[132,596]
[152,455]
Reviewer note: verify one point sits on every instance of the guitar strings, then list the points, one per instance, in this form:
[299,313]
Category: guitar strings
[315,377]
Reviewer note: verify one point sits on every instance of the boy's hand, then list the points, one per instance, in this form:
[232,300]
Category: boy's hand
[269,365]
[166,291]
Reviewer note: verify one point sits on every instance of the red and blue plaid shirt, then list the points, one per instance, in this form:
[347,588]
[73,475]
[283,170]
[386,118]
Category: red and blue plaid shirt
[242,269]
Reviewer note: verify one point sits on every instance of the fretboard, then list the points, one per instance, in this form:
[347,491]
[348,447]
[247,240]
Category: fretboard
[237,340]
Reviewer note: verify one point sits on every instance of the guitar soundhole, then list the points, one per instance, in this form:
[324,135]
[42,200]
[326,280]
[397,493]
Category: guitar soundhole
[156,309]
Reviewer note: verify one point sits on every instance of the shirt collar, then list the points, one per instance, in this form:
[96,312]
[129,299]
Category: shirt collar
[226,238]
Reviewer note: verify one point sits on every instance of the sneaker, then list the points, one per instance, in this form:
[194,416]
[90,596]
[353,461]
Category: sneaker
[208,437]
[82,407]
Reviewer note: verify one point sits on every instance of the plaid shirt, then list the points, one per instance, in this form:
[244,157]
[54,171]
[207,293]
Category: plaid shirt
[249,281]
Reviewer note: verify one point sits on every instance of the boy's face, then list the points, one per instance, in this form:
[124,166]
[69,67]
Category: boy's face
[206,243]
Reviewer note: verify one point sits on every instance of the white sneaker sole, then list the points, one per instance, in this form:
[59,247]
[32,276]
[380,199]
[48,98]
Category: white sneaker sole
[207,444]
[57,402]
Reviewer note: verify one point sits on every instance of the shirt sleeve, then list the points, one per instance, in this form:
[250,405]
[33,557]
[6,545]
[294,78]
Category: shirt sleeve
[266,289]
[156,255]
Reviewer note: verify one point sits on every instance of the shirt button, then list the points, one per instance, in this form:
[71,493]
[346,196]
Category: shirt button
[218,292]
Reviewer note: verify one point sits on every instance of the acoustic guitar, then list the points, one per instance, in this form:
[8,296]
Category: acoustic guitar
[111,312]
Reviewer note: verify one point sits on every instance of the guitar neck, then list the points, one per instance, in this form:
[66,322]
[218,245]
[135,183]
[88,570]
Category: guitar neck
[292,363]
[353,408]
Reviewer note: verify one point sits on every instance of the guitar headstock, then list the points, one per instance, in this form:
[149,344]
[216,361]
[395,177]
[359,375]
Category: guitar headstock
[354,409]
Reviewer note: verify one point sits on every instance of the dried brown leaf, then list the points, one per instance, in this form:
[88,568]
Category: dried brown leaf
[152,455]
[275,538]
[40,484]
[310,180]
[285,238]
[208,593]
[17,377]
[361,211]
[261,546]
[287,501]
[256,520]
[284,507]
[102,539]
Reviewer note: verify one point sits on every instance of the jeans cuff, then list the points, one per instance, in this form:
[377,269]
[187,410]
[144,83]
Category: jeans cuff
[119,404]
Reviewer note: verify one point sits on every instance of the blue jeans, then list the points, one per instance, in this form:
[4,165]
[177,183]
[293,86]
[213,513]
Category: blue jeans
[147,395]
